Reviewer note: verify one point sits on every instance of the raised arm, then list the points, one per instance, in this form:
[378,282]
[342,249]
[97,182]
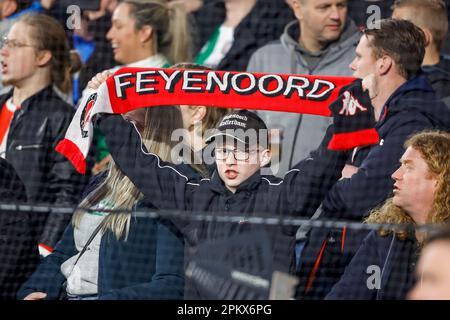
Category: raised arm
[353,121]
[307,183]
[160,182]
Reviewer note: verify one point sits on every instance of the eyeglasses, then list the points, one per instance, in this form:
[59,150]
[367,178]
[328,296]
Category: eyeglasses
[13,44]
[239,155]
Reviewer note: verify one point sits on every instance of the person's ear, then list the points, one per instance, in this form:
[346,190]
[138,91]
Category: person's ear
[428,37]
[145,34]
[384,65]
[298,8]
[43,58]
[198,114]
[265,157]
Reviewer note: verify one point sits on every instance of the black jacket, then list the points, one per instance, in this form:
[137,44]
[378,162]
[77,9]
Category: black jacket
[12,188]
[49,178]
[413,107]
[391,259]
[439,78]
[18,250]
[148,265]
[165,187]
[264,23]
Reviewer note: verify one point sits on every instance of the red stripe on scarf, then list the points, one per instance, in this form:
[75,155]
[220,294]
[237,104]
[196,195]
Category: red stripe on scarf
[345,141]
[70,150]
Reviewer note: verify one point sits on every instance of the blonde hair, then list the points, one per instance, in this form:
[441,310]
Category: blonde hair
[434,146]
[169,23]
[117,188]
[48,34]
[428,14]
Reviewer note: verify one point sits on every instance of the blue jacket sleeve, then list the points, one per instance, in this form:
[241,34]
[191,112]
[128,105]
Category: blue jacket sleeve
[48,277]
[168,281]
[353,197]
[358,281]
[160,182]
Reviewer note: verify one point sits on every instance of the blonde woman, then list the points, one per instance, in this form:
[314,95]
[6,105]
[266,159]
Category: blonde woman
[117,255]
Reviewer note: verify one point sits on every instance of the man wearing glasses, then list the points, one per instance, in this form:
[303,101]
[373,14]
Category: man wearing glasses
[237,187]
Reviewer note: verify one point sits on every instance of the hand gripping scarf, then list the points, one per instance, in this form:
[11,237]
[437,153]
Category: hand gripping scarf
[132,88]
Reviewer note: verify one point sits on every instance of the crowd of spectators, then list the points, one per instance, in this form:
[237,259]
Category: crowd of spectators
[398,48]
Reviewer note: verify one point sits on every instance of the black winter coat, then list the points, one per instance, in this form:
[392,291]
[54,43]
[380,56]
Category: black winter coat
[49,177]
[439,78]
[19,255]
[391,259]
[165,187]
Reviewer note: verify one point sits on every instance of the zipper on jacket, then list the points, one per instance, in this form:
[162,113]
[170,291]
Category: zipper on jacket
[28,147]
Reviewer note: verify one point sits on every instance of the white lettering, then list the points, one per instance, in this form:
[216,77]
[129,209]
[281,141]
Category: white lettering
[168,79]
[119,84]
[188,79]
[141,80]
[272,92]
[235,78]
[313,94]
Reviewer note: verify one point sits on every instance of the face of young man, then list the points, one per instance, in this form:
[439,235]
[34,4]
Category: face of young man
[365,61]
[433,273]
[19,58]
[236,163]
[323,20]
[414,186]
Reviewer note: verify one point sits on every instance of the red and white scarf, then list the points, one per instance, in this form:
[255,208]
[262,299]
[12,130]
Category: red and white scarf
[132,88]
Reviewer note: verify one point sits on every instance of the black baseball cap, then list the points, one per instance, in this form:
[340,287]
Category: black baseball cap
[243,126]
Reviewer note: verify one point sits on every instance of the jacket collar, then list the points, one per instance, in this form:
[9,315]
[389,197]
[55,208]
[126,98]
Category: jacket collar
[45,92]
[416,83]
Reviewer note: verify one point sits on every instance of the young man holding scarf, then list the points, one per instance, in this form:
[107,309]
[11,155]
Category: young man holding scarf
[237,186]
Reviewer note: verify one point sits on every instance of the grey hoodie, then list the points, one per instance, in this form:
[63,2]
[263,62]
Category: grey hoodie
[300,134]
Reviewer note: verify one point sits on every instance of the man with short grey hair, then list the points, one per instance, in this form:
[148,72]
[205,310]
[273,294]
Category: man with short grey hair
[321,40]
